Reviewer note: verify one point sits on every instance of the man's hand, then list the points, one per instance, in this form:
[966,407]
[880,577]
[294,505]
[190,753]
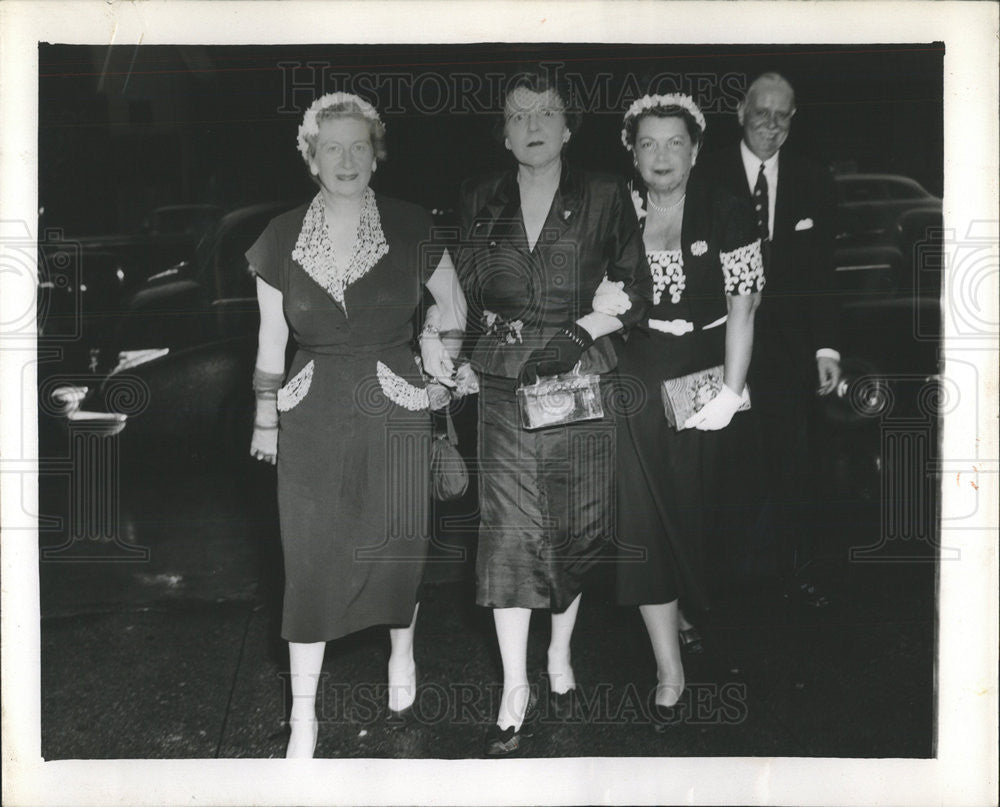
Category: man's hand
[829,374]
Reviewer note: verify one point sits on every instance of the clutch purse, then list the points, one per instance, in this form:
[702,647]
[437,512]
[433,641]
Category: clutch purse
[684,396]
[567,398]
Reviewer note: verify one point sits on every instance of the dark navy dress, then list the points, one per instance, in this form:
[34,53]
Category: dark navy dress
[668,480]
[354,436]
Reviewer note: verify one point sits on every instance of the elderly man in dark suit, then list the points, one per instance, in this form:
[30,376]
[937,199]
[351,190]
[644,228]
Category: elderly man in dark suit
[794,354]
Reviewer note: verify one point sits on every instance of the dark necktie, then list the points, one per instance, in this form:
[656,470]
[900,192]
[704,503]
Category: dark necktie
[761,204]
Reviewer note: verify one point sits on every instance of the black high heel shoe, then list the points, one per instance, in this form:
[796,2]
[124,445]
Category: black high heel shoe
[664,718]
[507,742]
[563,706]
[690,639]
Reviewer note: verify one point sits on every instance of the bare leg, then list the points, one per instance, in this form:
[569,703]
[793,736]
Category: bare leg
[661,624]
[512,636]
[402,667]
[306,661]
[560,667]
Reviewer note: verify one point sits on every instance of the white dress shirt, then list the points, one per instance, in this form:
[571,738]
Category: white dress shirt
[751,165]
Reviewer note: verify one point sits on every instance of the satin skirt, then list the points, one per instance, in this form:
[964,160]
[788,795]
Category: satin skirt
[546,502]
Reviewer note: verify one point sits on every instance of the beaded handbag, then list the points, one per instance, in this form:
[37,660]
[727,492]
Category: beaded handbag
[684,396]
[555,401]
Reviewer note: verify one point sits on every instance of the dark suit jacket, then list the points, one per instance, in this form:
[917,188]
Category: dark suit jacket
[798,313]
[591,231]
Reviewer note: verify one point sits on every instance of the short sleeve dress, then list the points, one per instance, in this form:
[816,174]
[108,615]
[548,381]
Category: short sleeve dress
[667,479]
[354,429]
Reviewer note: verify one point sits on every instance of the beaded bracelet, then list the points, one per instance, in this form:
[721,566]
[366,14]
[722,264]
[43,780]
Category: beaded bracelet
[578,336]
[265,384]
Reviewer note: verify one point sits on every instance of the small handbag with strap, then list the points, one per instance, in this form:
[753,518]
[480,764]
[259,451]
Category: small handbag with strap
[449,474]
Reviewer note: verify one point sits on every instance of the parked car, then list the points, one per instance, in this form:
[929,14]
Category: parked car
[182,220]
[182,346]
[889,285]
[869,246]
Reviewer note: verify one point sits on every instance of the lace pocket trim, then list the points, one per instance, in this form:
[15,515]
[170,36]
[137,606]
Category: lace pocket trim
[743,269]
[400,391]
[291,395]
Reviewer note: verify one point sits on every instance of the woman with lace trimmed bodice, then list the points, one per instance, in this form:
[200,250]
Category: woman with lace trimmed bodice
[704,257]
[349,429]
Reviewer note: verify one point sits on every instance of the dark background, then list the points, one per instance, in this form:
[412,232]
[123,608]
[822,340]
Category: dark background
[123,129]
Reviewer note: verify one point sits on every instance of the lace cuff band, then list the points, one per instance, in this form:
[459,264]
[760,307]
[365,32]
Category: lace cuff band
[743,269]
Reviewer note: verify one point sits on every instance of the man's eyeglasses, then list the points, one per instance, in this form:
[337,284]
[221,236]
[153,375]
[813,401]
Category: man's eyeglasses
[762,116]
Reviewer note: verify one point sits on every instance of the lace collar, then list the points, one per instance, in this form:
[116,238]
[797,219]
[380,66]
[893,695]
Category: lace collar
[314,252]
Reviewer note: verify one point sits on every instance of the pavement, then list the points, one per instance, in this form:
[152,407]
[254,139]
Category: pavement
[162,642]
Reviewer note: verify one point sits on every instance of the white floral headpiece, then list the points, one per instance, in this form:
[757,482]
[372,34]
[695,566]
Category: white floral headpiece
[310,126]
[652,101]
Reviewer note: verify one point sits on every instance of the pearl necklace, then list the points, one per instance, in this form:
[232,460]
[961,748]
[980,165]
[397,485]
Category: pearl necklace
[664,208]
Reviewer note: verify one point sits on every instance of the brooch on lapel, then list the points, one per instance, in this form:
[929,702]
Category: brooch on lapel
[803,224]
[567,214]
[699,248]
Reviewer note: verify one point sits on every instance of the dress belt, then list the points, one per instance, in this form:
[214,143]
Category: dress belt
[352,350]
[679,327]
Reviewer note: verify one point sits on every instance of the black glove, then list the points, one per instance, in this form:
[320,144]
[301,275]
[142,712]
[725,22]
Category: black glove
[560,354]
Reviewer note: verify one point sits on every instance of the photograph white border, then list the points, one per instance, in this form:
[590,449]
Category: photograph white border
[965,769]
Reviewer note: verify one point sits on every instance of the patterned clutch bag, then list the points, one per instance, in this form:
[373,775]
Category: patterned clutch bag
[684,396]
[566,398]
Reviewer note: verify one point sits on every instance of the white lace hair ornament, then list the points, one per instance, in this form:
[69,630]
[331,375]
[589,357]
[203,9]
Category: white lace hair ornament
[310,124]
[648,102]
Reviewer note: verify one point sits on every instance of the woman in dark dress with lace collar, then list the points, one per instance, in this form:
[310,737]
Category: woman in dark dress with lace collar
[344,275]
[704,253]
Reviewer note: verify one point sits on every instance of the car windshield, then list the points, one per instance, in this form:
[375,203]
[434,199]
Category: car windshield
[220,256]
[905,190]
[181,220]
[862,190]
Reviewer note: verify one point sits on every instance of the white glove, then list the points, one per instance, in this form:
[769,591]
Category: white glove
[436,361]
[610,298]
[717,413]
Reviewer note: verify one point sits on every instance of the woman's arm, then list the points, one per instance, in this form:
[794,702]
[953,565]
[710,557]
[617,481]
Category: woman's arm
[439,346]
[272,337]
[598,325]
[739,339]
[743,280]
